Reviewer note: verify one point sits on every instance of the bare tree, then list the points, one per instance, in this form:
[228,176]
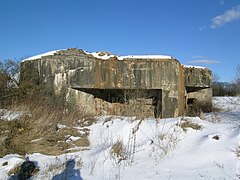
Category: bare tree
[238,73]
[9,79]
[10,69]
[225,88]
[237,79]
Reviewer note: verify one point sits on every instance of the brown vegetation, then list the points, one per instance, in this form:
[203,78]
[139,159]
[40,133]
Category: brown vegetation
[37,129]
[197,107]
[185,124]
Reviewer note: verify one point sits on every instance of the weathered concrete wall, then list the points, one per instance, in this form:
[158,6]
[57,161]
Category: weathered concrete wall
[81,101]
[126,74]
[198,77]
[138,107]
[81,70]
[203,95]
[72,69]
[182,92]
[198,82]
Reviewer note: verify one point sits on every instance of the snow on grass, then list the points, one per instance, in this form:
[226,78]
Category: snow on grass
[9,115]
[230,110]
[208,153]
[73,138]
[227,103]
[148,149]
[61,126]
[8,163]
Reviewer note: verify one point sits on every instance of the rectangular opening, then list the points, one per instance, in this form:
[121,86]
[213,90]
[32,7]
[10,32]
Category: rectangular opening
[131,97]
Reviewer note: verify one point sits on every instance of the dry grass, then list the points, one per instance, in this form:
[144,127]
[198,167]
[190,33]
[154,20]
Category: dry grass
[185,124]
[15,170]
[37,130]
[198,107]
[238,151]
[118,151]
[83,142]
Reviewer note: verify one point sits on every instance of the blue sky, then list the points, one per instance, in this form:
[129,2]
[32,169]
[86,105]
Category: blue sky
[201,33]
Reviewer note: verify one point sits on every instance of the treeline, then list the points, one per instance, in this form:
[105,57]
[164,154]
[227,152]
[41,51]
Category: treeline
[225,89]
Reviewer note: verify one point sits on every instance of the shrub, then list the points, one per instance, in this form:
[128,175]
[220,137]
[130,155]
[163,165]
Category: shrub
[197,107]
[238,151]
[117,149]
[40,122]
[9,70]
[185,124]
[42,113]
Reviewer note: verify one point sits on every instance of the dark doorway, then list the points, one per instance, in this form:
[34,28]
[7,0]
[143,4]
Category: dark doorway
[125,95]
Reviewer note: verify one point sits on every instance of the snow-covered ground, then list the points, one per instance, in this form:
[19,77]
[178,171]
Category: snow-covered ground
[126,148]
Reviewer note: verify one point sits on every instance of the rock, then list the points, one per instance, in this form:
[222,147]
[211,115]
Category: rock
[26,170]
[5,163]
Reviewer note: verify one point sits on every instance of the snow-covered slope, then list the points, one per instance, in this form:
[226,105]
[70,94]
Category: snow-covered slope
[126,148]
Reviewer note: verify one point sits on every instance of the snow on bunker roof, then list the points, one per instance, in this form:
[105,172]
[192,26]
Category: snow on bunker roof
[198,67]
[145,57]
[39,56]
[107,55]
[103,56]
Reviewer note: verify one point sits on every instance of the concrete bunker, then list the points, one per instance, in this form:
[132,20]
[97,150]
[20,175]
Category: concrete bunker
[106,84]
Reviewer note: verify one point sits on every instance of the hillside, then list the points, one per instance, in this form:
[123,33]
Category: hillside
[127,148]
